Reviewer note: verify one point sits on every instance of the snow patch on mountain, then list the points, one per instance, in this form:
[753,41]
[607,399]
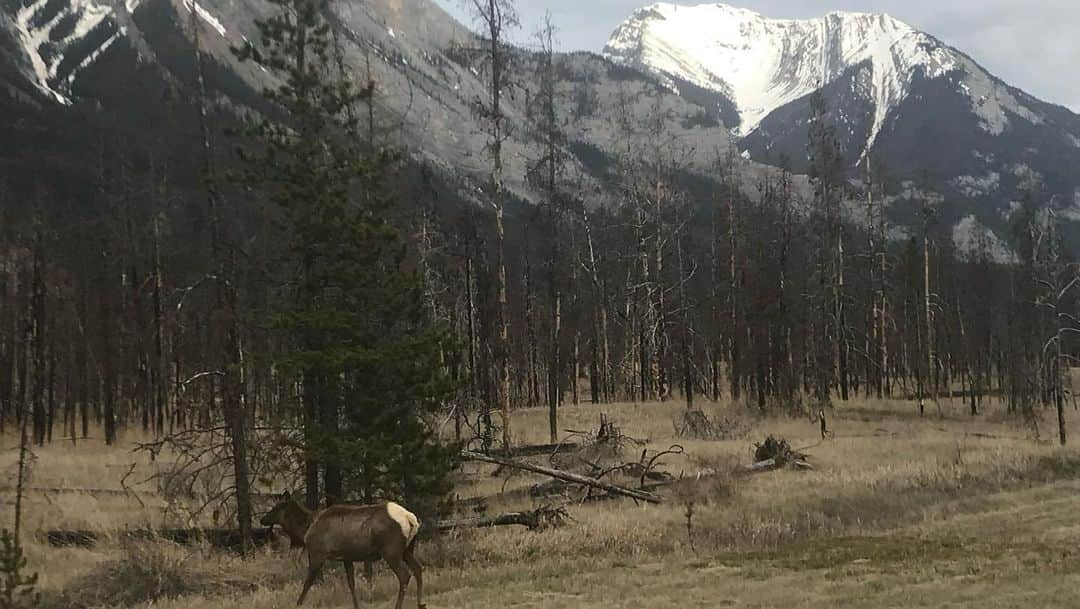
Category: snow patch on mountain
[1029,178]
[972,186]
[990,99]
[1072,212]
[205,15]
[92,57]
[910,191]
[46,28]
[973,239]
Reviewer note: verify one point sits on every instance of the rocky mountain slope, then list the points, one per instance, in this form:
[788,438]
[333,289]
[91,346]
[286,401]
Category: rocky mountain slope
[722,78]
[118,57]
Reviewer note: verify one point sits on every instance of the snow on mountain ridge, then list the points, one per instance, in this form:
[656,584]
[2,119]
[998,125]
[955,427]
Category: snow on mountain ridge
[46,29]
[763,63]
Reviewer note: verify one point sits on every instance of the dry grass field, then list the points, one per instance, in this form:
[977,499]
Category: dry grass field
[899,511]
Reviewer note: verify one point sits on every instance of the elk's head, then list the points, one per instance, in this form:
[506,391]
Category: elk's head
[276,515]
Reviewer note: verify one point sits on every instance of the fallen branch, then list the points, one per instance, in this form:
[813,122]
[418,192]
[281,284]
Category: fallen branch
[563,475]
[218,538]
[534,520]
[769,465]
[589,498]
[535,450]
[80,491]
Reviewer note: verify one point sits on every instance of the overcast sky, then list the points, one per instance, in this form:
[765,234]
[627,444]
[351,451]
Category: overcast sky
[1031,44]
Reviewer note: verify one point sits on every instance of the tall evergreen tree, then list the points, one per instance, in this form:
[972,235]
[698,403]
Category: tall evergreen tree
[347,306]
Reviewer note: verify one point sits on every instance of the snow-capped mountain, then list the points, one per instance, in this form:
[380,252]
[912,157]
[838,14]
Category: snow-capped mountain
[763,64]
[928,110]
[71,70]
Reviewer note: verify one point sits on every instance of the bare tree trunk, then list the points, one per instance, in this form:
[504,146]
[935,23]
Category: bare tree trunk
[841,339]
[717,339]
[160,363]
[733,300]
[498,15]
[688,329]
[877,338]
[555,366]
[22,475]
[1059,394]
[575,349]
[83,358]
[233,383]
[108,384]
[643,303]
[51,383]
[532,376]
[660,336]
[474,380]
[601,346]
[37,330]
[11,365]
[929,320]
[883,311]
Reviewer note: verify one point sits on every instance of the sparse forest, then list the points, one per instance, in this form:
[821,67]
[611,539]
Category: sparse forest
[288,300]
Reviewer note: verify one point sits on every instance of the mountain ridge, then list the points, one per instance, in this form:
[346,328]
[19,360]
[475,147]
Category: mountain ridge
[978,159]
[765,63]
[931,112]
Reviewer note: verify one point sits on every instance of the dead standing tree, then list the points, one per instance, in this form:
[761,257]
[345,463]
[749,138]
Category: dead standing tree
[232,356]
[639,313]
[496,17]
[930,384]
[1058,284]
[826,173]
[547,172]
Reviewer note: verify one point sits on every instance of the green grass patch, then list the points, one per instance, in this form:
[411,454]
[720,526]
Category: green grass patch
[873,551]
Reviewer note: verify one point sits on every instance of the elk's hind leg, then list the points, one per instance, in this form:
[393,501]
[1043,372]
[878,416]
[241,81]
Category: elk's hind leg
[350,578]
[313,573]
[369,576]
[418,571]
[402,571]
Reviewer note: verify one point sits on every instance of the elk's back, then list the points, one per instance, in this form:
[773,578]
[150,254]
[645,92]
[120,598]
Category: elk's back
[357,533]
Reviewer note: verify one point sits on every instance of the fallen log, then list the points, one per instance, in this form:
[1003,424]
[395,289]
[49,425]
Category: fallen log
[769,465]
[563,475]
[79,491]
[533,520]
[534,450]
[609,496]
[219,538]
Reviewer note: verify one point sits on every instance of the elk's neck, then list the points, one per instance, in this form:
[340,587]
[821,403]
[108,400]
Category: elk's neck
[297,519]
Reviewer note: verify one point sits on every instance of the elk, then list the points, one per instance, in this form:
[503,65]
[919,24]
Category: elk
[352,533]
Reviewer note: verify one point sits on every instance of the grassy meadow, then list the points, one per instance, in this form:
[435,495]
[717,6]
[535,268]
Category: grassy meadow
[947,510]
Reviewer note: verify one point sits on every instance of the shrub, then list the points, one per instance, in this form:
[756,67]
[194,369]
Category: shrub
[149,572]
[17,591]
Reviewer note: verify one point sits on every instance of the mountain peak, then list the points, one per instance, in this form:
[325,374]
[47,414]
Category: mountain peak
[763,63]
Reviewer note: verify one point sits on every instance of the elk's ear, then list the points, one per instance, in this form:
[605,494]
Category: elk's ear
[286,496]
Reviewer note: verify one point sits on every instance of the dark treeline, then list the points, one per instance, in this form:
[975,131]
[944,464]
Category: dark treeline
[153,300]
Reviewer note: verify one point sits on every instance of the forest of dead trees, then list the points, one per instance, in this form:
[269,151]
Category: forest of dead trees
[134,305]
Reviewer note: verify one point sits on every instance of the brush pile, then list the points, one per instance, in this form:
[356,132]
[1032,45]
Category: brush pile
[776,453]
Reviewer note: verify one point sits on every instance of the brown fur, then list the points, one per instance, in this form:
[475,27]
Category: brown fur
[349,533]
